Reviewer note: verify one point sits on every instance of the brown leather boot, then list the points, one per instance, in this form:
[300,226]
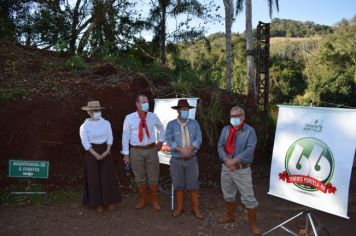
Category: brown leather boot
[230,209]
[180,203]
[142,193]
[251,213]
[153,197]
[194,197]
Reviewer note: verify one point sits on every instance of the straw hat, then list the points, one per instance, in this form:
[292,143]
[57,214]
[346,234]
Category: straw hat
[93,105]
[182,103]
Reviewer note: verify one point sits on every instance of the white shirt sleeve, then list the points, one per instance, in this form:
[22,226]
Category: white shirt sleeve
[126,136]
[110,138]
[160,128]
[84,137]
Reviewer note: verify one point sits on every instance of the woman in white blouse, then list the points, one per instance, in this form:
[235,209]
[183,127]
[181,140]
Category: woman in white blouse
[100,177]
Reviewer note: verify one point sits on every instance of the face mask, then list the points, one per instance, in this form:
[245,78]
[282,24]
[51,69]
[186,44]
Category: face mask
[184,115]
[235,121]
[145,106]
[97,115]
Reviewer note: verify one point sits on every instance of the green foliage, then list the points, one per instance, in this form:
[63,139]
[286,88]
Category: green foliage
[59,196]
[61,46]
[292,28]
[11,94]
[286,80]
[210,117]
[11,199]
[331,71]
[206,58]
[77,63]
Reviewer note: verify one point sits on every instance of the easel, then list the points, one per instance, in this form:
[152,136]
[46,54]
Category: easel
[309,218]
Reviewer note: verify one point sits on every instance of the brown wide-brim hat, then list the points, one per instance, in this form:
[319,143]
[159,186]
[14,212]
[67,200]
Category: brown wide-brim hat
[93,105]
[182,103]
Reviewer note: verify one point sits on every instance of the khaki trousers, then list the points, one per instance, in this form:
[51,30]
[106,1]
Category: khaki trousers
[145,166]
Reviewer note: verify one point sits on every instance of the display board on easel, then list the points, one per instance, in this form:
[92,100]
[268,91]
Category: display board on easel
[313,157]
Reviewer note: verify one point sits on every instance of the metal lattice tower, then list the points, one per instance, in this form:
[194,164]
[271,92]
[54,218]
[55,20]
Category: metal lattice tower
[262,65]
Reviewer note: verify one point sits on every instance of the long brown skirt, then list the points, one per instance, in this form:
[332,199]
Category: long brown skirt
[101,186]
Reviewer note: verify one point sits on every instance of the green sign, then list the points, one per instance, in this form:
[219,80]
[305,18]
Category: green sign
[28,169]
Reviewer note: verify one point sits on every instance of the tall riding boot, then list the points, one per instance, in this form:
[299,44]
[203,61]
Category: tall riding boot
[142,193]
[194,197]
[251,213]
[153,197]
[230,209]
[180,203]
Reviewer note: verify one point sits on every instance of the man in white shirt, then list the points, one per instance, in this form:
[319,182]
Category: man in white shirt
[138,131]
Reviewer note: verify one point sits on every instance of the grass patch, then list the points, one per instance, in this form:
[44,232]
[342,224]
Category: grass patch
[58,196]
[11,94]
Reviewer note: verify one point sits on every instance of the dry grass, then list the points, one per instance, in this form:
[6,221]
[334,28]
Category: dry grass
[274,40]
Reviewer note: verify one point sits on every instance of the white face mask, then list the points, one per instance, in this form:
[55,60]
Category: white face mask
[235,121]
[97,115]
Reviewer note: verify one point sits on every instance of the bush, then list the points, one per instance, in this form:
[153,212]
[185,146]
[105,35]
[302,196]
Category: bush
[77,62]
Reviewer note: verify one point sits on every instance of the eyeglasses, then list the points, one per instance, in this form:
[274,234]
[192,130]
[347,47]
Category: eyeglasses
[237,115]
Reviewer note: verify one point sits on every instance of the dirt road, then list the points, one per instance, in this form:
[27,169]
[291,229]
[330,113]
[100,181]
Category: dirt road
[71,218]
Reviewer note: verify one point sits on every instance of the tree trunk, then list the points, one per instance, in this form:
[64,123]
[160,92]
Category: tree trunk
[252,90]
[74,34]
[163,33]
[228,24]
[99,16]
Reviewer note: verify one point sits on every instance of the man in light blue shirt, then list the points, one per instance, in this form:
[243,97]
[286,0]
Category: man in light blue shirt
[184,138]
[236,146]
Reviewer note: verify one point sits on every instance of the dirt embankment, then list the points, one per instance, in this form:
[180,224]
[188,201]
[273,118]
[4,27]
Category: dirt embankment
[41,97]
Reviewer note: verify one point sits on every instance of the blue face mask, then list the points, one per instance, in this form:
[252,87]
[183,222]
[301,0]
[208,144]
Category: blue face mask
[235,121]
[184,114]
[145,106]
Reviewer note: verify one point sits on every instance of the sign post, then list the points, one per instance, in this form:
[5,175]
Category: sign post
[28,169]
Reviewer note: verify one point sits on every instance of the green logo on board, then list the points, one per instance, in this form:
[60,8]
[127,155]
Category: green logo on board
[309,165]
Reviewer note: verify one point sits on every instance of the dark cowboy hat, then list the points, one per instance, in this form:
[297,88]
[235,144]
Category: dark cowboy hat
[93,105]
[182,103]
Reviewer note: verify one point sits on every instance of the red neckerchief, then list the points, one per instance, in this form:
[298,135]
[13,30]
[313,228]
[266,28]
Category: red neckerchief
[141,125]
[231,139]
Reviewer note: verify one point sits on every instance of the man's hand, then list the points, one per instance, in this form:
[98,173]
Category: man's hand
[159,146]
[232,168]
[186,152]
[191,147]
[126,159]
[230,164]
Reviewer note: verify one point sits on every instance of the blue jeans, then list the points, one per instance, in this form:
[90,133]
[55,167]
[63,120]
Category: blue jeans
[185,173]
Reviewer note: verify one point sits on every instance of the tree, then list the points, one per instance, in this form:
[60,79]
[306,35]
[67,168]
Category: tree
[229,14]
[251,68]
[331,71]
[163,9]
[287,80]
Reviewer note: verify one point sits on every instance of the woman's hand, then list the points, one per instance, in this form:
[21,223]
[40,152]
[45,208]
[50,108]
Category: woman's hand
[104,154]
[95,154]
